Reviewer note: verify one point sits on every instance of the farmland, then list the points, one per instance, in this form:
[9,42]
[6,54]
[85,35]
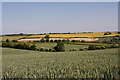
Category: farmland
[11,37]
[40,59]
[80,64]
[74,36]
[82,35]
[51,45]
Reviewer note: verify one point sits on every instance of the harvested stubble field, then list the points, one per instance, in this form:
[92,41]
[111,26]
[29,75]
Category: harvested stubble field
[80,64]
[10,37]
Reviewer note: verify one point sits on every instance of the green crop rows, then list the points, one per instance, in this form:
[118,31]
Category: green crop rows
[80,64]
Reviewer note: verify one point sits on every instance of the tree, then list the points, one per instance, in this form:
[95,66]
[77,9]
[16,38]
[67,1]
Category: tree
[59,40]
[55,40]
[59,47]
[33,47]
[82,41]
[107,33]
[63,40]
[42,40]
[5,44]
[7,40]
[91,47]
[51,40]
[14,40]
[21,34]
[47,38]
[73,41]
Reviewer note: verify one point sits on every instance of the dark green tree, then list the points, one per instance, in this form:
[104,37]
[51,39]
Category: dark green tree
[107,33]
[33,47]
[14,40]
[91,47]
[82,41]
[5,44]
[51,40]
[7,40]
[59,47]
[47,38]
[42,40]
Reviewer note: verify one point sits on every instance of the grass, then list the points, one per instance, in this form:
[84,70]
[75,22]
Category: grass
[82,64]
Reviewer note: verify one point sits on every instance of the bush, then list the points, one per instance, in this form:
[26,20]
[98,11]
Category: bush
[52,50]
[47,40]
[82,41]
[47,37]
[103,47]
[63,40]
[38,49]
[7,40]
[59,40]
[46,50]
[51,40]
[74,49]
[33,47]
[42,49]
[19,45]
[107,33]
[73,41]
[108,46]
[5,44]
[114,46]
[55,40]
[59,47]
[11,45]
[42,40]
[81,49]
[98,47]
[92,47]
[14,40]
[85,48]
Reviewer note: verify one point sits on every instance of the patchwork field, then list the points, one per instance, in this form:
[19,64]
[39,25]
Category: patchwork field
[18,63]
[56,36]
[87,35]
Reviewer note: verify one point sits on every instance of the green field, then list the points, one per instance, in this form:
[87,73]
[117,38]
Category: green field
[51,45]
[18,63]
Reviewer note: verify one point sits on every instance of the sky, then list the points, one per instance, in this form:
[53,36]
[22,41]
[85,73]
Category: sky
[45,17]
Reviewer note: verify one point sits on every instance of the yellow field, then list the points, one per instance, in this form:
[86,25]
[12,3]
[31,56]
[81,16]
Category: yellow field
[88,35]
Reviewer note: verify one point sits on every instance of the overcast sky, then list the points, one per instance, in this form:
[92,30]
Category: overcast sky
[44,17]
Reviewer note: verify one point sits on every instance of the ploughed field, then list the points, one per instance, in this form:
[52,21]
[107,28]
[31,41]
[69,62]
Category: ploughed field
[18,63]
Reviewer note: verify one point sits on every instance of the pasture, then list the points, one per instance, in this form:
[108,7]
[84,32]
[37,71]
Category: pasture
[51,45]
[18,63]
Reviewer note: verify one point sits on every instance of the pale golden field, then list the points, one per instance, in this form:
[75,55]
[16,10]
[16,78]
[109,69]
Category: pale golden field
[10,37]
[87,35]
